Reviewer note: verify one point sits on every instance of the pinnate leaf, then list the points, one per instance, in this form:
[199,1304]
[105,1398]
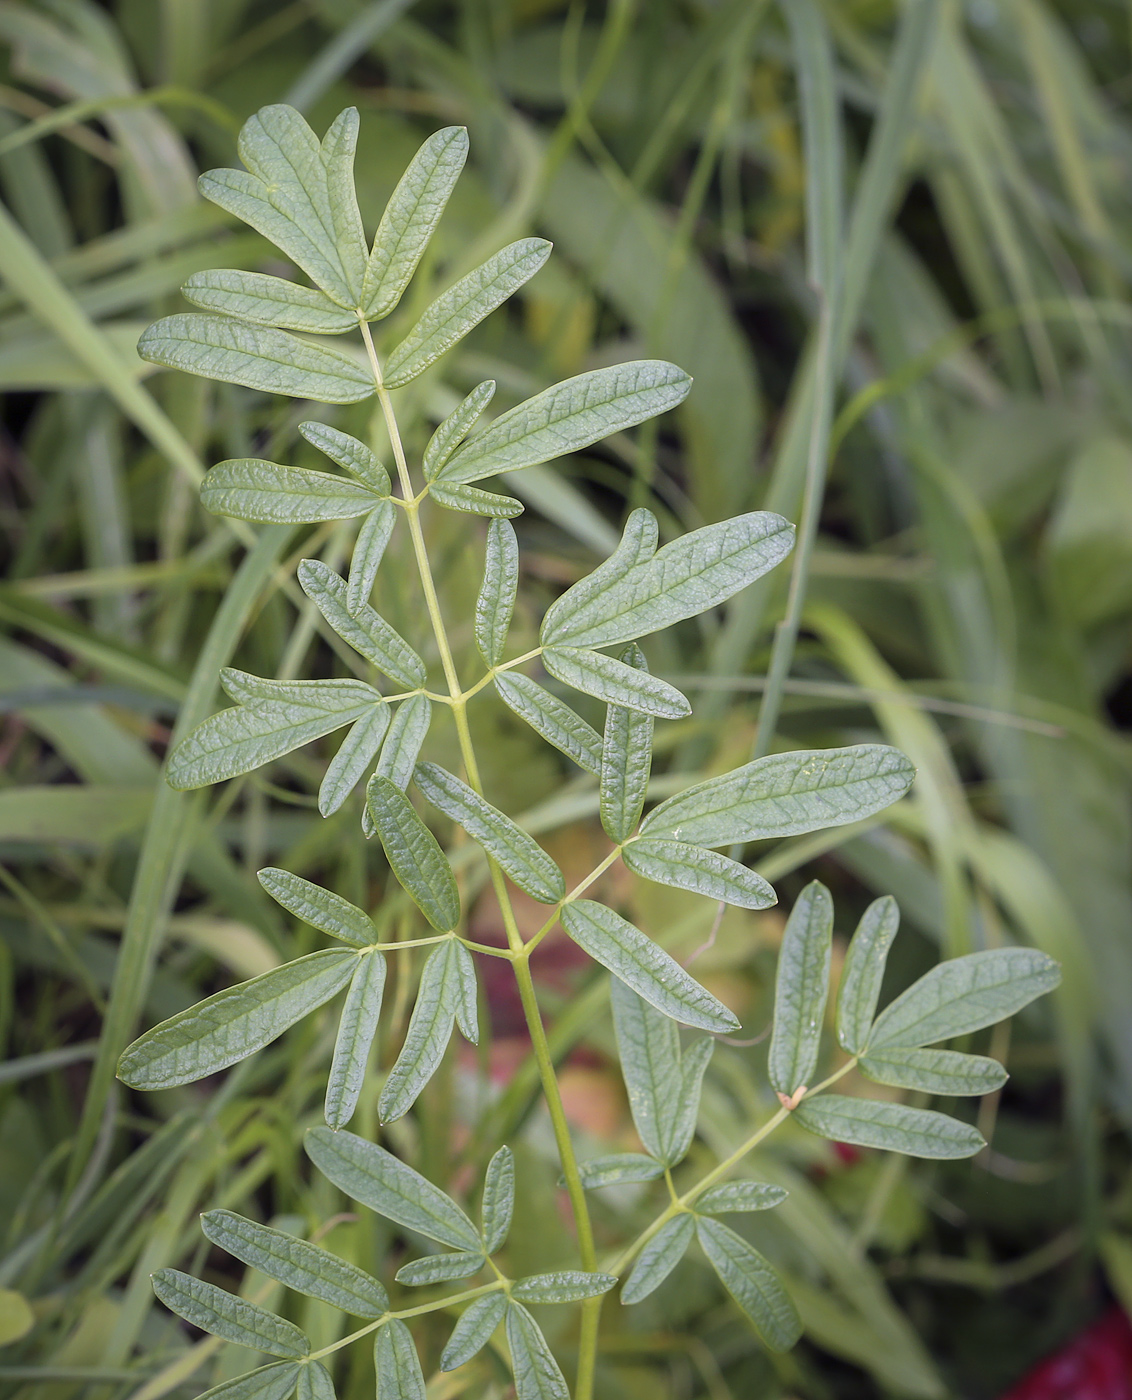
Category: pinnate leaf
[225,1315]
[801,989]
[470,500]
[863,973]
[706,872]
[739,1196]
[498,1199]
[447,992]
[537,1374]
[558,724]
[356,753]
[404,740]
[249,488]
[608,679]
[321,908]
[440,1268]
[917,1132]
[369,550]
[354,1042]
[414,854]
[752,1283]
[474,1330]
[455,428]
[350,454]
[934,1071]
[399,1374]
[267,301]
[496,602]
[659,1257]
[618,1168]
[365,630]
[626,761]
[563,1286]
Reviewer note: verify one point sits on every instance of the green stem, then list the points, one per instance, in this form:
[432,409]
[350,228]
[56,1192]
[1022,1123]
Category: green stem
[465,1297]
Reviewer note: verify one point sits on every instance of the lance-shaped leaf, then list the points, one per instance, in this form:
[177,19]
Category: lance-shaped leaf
[663,1083]
[403,742]
[739,1196]
[934,1071]
[496,602]
[369,550]
[447,992]
[307,1268]
[214,1310]
[267,301]
[964,995]
[413,211]
[659,1257]
[474,1330]
[257,357]
[375,1178]
[299,193]
[568,417]
[626,761]
[453,314]
[498,1199]
[537,1374]
[356,1031]
[558,724]
[350,454]
[245,737]
[801,989]
[470,500]
[695,868]
[249,488]
[356,753]
[232,1024]
[917,1132]
[518,854]
[322,909]
[685,578]
[785,794]
[365,630]
[455,428]
[594,673]
[414,854]
[399,1374]
[618,1168]
[314,1383]
[562,1286]
[752,1283]
[863,973]
[441,1268]
[273,1382]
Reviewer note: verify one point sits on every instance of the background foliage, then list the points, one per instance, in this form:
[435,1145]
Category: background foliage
[971,602]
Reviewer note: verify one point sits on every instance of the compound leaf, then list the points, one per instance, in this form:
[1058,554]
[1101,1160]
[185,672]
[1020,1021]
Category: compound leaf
[403,742]
[223,1314]
[863,972]
[365,630]
[369,550]
[496,602]
[399,1374]
[706,872]
[249,488]
[443,996]
[355,754]
[498,1199]
[659,1257]
[594,673]
[618,1168]
[739,1196]
[440,1268]
[752,1283]
[801,989]
[267,301]
[414,854]
[558,724]
[474,1330]
[322,909]
[350,454]
[537,1374]
[934,1071]
[470,500]
[562,1286]
[626,761]
[455,428]
[917,1132]
[356,1031]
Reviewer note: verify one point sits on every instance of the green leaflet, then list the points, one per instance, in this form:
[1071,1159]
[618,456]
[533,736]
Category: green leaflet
[518,854]
[274,1382]
[413,853]
[752,1283]
[447,992]
[369,550]
[552,718]
[375,1178]
[659,1257]
[257,357]
[626,761]
[473,1331]
[695,868]
[496,602]
[355,754]
[399,1374]
[801,989]
[562,1286]
[455,428]
[472,501]
[234,1023]
[320,908]
[569,416]
[268,301]
[964,995]
[403,742]
[307,1268]
[599,675]
[365,630]
[685,578]
[863,972]
[224,1315]
[785,794]
[413,211]
[356,1031]
[619,1167]
[498,1199]
[453,314]
[537,1374]
[440,1268]
[299,194]
[917,1132]
[314,1383]
[662,1081]
[934,1071]
[247,736]
[249,488]
[739,1196]
[350,454]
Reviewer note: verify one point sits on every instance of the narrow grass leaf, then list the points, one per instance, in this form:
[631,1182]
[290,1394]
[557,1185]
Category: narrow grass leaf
[470,500]
[474,1330]
[739,1196]
[414,854]
[369,550]
[801,990]
[356,753]
[518,854]
[350,454]
[365,630]
[562,1286]
[234,1023]
[454,313]
[752,1283]
[455,428]
[626,761]
[917,1132]
[785,794]
[496,601]
[314,1383]
[223,1314]
[498,1199]
[399,1374]
[322,909]
[537,1374]
[934,1071]
[618,1168]
[375,1178]
[658,1258]
[568,417]
[267,301]
[610,680]
[863,972]
[354,1042]
[558,724]
[403,743]
[307,1268]
[274,1382]
[440,1268]
[706,872]
[249,488]
[441,997]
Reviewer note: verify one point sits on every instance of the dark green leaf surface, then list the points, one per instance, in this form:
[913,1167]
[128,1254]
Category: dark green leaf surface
[414,855]
[498,1199]
[474,1330]
[558,724]
[369,550]
[863,973]
[356,754]
[626,761]
[274,1382]
[350,454]
[739,1196]
[700,870]
[658,1258]
[918,1132]
[752,1283]
[403,742]
[470,500]
[365,630]
[268,301]
[594,673]
[446,992]
[322,909]
[801,990]
[496,601]
[249,488]
[934,1071]
[537,1374]
[440,1268]
[224,1315]
[455,428]
[399,1374]
[563,1286]
[314,1383]
[617,1168]
[354,1042]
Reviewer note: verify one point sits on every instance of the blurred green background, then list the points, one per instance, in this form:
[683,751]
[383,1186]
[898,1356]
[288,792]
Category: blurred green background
[964,173]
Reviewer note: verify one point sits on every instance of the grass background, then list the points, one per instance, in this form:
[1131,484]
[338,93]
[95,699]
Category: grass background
[955,182]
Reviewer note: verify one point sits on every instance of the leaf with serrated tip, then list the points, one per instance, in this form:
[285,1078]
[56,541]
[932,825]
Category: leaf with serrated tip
[455,428]
[470,500]
[626,761]
[321,908]
[352,1047]
[863,971]
[498,1199]
[225,1315]
[440,1268]
[365,630]
[399,1374]
[356,753]
[350,454]
[414,854]
[267,301]
[739,1196]
[752,1283]
[443,996]
[496,601]
[558,724]
[537,1374]
[594,673]
[658,1258]
[801,989]
[917,1132]
[249,488]
[699,869]
[369,550]
[474,1330]
[933,1071]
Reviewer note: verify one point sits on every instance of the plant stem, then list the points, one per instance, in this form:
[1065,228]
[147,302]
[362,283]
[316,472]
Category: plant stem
[465,1297]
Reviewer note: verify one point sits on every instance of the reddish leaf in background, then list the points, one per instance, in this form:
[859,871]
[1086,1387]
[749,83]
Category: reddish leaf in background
[1096,1365]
